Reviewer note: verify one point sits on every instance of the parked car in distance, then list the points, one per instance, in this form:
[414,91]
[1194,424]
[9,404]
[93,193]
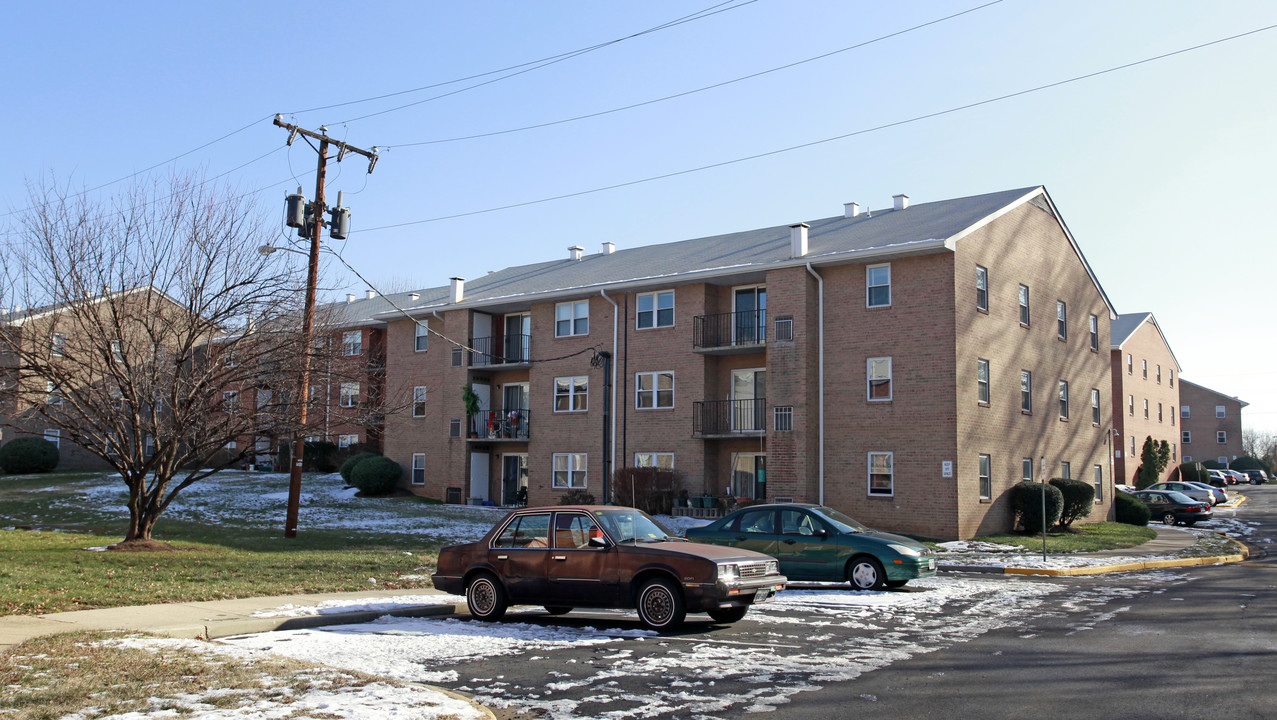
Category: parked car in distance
[603,557]
[1173,507]
[820,543]
[1192,490]
[1219,495]
[1238,476]
[1256,476]
[1219,479]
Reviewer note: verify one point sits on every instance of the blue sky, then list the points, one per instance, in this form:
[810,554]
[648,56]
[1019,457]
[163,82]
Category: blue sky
[1162,170]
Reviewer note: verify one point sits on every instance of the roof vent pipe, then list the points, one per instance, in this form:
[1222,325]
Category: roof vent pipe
[414,296]
[370,294]
[901,202]
[574,252]
[350,297]
[609,247]
[850,210]
[457,290]
[798,240]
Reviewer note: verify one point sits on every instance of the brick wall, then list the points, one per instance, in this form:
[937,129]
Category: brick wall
[1144,371]
[1204,425]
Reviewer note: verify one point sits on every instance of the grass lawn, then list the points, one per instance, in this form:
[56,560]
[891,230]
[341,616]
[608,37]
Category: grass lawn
[229,538]
[1091,537]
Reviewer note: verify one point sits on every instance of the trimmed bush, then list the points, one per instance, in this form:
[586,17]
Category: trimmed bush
[376,476]
[1246,462]
[27,455]
[1026,501]
[576,497]
[1194,472]
[1130,509]
[1078,497]
[648,489]
[1212,465]
[348,467]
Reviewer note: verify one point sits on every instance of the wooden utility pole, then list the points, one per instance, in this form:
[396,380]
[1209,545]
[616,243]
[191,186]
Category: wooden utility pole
[311,229]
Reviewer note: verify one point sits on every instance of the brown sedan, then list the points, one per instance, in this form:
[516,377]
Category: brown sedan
[603,557]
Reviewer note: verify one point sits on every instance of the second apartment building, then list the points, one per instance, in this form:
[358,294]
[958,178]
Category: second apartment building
[906,366]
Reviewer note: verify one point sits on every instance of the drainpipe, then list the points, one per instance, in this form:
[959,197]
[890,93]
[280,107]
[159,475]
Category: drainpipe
[616,324]
[820,320]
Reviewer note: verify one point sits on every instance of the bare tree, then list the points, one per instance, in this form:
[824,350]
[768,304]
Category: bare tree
[1259,444]
[149,331]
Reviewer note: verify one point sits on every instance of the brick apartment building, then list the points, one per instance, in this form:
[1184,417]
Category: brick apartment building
[1145,395]
[907,366]
[1210,424]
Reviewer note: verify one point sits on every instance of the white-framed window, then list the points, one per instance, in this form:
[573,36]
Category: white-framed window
[230,400]
[655,310]
[982,380]
[982,288]
[1188,458]
[660,461]
[783,418]
[1097,479]
[1159,412]
[1024,304]
[352,342]
[1171,377]
[1130,364]
[54,436]
[1221,436]
[454,427]
[1093,325]
[1186,437]
[230,445]
[1145,408]
[349,394]
[1026,469]
[1184,412]
[572,318]
[1066,469]
[1222,460]
[421,336]
[986,477]
[1095,406]
[1144,369]
[418,468]
[1130,405]
[54,392]
[1159,373]
[264,398]
[1061,320]
[419,401]
[881,473]
[59,344]
[569,470]
[1132,446]
[117,351]
[1174,450]
[345,441]
[148,447]
[1064,400]
[1219,411]
[1026,391]
[878,371]
[784,330]
[571,394]
[654,390]
[878,285]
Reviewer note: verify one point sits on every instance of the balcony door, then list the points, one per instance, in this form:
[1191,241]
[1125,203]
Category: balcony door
[518,332]
[514,475]
[749,399]
[749,475]
[750,319]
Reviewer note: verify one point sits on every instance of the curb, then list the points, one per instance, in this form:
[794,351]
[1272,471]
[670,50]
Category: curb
[1242,554]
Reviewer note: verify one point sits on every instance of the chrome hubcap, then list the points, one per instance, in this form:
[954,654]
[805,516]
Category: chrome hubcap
[482,596]
[657,605]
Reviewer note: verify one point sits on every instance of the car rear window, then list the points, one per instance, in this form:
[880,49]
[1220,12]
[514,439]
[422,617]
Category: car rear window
[526,531]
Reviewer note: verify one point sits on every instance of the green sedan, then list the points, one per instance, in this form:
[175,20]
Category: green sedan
[820,543]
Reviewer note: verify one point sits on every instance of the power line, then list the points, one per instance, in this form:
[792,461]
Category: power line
[813,143]
[701,89]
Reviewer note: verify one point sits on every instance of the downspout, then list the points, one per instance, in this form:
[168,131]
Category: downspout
[820,320]
[616,324]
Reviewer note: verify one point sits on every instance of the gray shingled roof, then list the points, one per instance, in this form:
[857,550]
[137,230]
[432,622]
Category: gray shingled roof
[1125,325]
[877,233]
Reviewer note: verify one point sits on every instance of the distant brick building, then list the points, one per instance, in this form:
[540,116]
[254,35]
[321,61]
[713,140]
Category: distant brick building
[1210,424]
[907,366]
[1145,395]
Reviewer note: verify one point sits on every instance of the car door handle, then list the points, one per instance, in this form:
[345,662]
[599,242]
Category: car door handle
[789,542]
[560,557]
[503,557]
[740,538]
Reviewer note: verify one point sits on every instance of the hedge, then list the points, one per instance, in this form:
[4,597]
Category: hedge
[1027,502]
[27,455]
[376,476]
[348,467]
[1130,509]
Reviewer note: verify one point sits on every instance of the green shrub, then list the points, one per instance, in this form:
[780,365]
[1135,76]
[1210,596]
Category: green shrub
[376,476]
[1130,509]
[1078,498]
[27,455]
[1245,462]
[1194,472]
[1212,465]
[1027,501]
[576,497]
[348,467]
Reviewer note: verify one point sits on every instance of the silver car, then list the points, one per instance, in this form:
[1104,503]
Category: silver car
[1220,495]
[1193,490]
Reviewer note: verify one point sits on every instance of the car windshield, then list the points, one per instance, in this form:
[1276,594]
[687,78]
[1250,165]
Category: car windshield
[630,525]
[841,522]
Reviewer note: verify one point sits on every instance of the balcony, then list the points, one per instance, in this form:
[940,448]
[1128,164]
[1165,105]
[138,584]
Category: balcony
[502,425]
[511,352]
[729,418]
[729,333]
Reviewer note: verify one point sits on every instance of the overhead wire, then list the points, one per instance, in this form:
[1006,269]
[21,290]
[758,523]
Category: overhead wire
[813,143]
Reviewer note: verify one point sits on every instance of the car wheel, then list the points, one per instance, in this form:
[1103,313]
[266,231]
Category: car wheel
[865,573]
[660,605]
[557,609]
[486,598]
[1168,519]
[728,615]
[896,583]
[1253,481]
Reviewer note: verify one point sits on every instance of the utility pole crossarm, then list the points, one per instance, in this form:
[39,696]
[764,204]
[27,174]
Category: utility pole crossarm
[342,147]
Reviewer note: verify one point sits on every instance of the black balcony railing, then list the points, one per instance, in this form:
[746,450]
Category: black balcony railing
[503,424]
[729,417]
[507,350]
[734,329]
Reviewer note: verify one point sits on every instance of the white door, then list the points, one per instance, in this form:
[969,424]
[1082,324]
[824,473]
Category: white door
[479,475]
[482,334]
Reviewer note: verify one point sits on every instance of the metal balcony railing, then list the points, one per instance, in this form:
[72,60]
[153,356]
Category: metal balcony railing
[726,330]
[729,417]
[512,424]
[507,350]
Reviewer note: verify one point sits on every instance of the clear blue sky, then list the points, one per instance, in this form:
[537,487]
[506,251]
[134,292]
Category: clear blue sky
[1163,171]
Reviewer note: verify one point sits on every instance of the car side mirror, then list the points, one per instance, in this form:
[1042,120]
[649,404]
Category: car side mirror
[599,542]
[822,533]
